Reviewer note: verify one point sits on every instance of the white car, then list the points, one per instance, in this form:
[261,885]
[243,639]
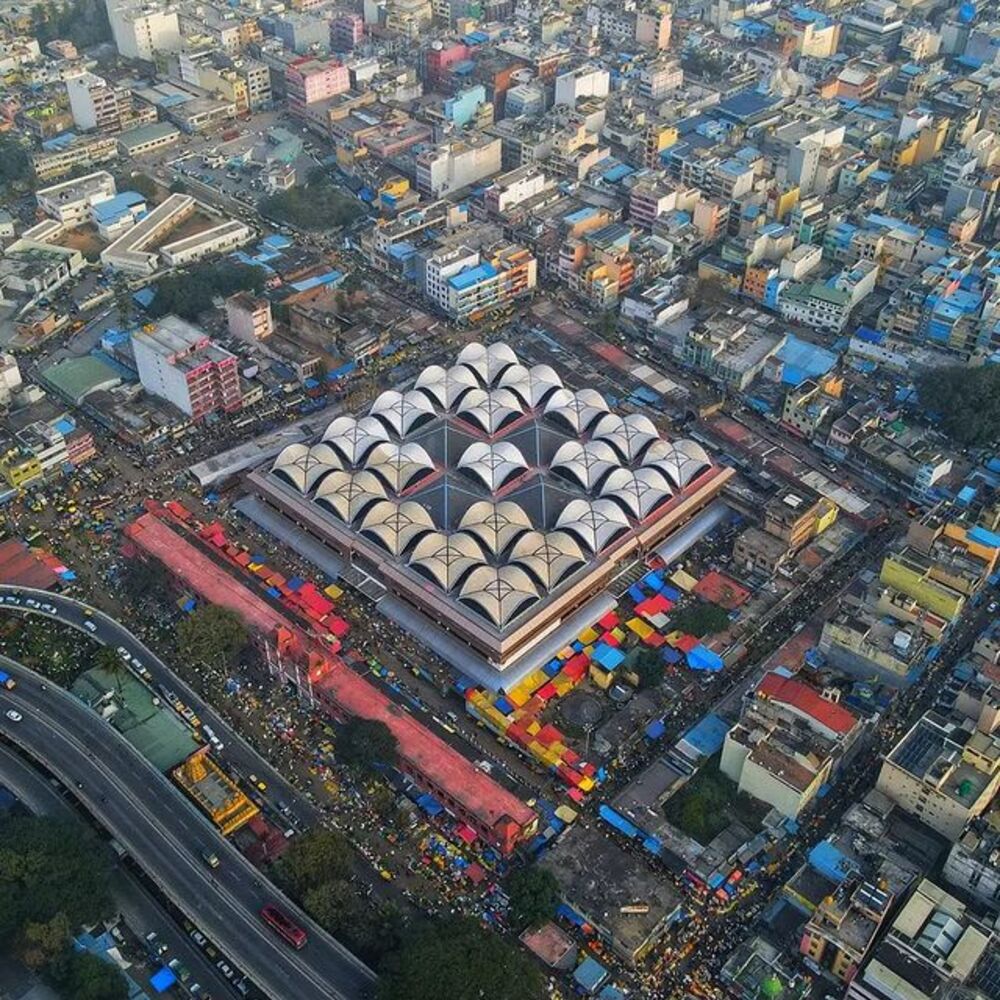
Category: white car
[13,715]
[89,626]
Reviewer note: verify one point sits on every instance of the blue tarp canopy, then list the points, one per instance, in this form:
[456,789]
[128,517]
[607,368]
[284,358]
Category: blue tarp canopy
[702,658]
[162,980]
[828,861]
[707,735]
[655,729]
[589,975]
[430,805]
[607,657]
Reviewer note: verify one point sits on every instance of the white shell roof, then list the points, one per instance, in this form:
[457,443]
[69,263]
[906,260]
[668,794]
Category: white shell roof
[586,463]
[594,523]
[396,526]
[445,387]
[547,556]
[399,465]
[500,592]
[493,464]
[628,435]
[353,439]
[302,466]
[400,412]
[638,492]
[487,362]
[490,410]
[350,494]
[680,461]
[578,409]
[531,385]
[496,525]
[446,558]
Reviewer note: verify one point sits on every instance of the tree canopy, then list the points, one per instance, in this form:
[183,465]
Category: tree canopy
[15,164]
[321,855]
[457,959]
[365,743]
[700,618]
[964,401]
[534,896]
[49,869]
[316,205]
[371,929]
[212,634]
[83,22]
[190,293]
[649,667]
[85,977]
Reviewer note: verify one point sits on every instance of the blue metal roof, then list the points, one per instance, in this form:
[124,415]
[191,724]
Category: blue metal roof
[472,276]
[108,211]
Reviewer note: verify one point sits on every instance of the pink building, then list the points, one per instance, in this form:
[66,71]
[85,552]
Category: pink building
[309,80]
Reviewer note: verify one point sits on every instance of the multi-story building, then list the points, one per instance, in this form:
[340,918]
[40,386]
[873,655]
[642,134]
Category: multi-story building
[814,33]
[142,30]
[584,81]
[347,30]
[515,187]
[943,772]
[861,642]
[973,864]
[93,102]
[660,78]
[451,166]
[468,285]
[248,317]
[79,152]
[179,363]
[630,22]
[70,202]
[309,80]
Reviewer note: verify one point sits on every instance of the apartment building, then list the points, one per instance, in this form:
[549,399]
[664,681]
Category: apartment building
[81,151]
[455,165]
[141,30]
[70,202]
[309,80]
[93,102]
[468,285]
[248,317]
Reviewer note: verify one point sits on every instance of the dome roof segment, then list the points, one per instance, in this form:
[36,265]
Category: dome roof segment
[399,466]
[349,494]
[445,387]
[302,466]
[496,525]
[629,436]
[499,592]
[396,526]
[578,410]
[680,461]
[446,559]
[593,523]
[354,439]
[490,410]
[531,385]
[494,465]
[401,412]
[487,362]
[548,557]
[587,464]
[638,492]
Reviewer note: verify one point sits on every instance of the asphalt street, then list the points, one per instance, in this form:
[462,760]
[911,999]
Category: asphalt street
[165,835]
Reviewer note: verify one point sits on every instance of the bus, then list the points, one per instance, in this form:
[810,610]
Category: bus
[6,681]
[283,926]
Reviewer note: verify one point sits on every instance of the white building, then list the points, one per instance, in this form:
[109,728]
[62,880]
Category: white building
[129,253]
[93,103]
[584,81]
[452,166]
[70,202]
[225,236]
[10,378]
[142,30]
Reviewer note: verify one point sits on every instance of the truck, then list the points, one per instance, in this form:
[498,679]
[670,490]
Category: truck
[6,681]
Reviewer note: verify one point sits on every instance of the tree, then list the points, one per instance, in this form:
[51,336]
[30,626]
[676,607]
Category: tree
[964,401]
[700,619]
[41,941]
[146,579]
[84,23]
[365,743]
[708,293]
[455,958]
[86,977]
[142,184]
[534,896]
[319,204]
[212,634]
[178,186]
[190,293]
[370,930]
[15,163]
[648,666]
[49,867]
[316,857]
[124,303]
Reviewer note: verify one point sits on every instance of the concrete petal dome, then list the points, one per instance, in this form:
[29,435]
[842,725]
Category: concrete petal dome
[680,461]
[578,410]
[639,492]
[354,439]
[500,593]
[547,556]
[445,387]
[494,465]
[593,523]
[487,362]
[446,559]
[348,495]
[303,467]
[401,412]
[396,526]
[629,436]
[490,410]
[533,386]
[496,525]
[586,464]
[399,466]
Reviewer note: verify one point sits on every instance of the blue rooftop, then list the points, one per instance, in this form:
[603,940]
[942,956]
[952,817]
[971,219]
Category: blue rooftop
[472,276]
[328,278]
[580,215]
[113,208]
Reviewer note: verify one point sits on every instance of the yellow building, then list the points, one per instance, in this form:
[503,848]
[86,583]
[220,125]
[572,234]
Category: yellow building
[20,469]
[912,573]
[214,792]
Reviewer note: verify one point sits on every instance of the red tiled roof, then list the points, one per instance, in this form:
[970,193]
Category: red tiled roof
[807,700]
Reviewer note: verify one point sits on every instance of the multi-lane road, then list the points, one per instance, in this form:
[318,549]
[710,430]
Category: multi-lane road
[166,835]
